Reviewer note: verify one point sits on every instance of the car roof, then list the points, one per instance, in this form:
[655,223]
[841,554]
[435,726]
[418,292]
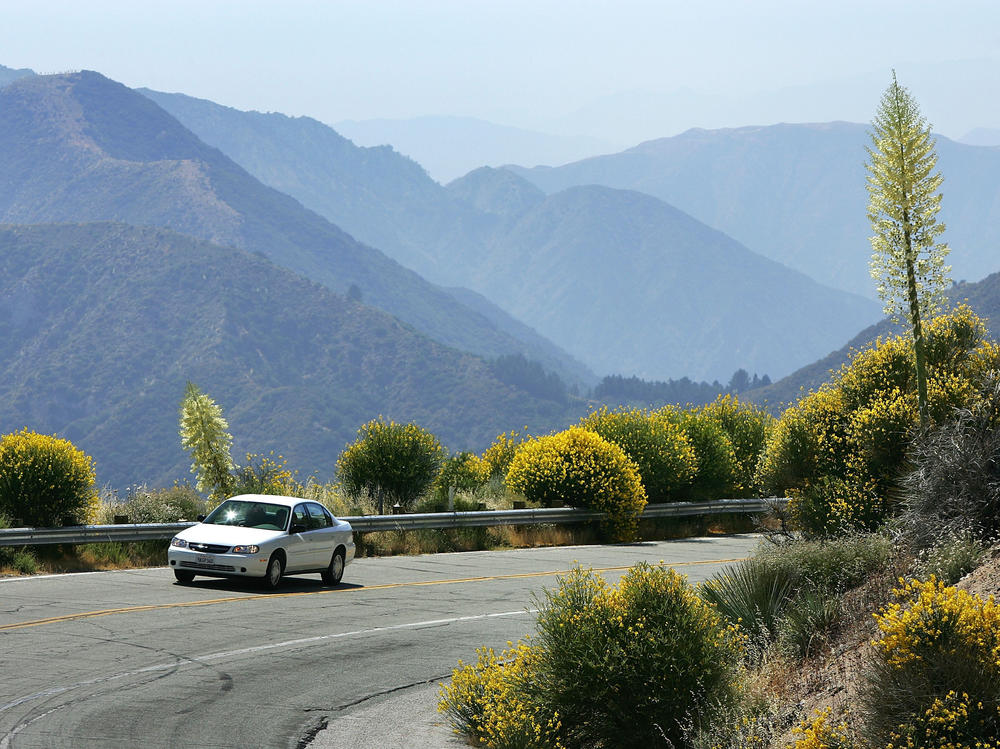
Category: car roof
[271,499]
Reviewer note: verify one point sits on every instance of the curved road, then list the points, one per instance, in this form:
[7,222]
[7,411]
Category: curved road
[129,659]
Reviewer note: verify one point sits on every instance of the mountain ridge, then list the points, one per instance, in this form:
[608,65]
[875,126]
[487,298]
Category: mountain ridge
[81,147]
[796,193]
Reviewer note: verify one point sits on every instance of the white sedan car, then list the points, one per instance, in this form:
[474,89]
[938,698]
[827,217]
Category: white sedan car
[255,535]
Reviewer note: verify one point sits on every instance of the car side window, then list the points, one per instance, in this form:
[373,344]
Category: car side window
[300,516]
[320,518]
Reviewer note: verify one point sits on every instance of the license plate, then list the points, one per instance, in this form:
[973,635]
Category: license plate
[204,559]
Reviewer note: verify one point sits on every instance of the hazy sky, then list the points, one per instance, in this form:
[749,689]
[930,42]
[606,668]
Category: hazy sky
[519,62]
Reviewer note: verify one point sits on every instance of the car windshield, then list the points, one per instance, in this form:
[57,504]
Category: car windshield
[249,514]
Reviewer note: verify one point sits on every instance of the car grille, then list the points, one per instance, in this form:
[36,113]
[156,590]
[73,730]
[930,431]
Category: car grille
[218,567]
[208,548]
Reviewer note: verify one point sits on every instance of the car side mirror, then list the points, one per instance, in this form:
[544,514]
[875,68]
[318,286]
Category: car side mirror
[297,528]
[201,518]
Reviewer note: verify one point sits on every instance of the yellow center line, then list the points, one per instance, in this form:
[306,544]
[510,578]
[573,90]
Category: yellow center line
[265,596]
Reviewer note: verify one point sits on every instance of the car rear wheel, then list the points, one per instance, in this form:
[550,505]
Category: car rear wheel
[335,572]
[275,569]
[184,576]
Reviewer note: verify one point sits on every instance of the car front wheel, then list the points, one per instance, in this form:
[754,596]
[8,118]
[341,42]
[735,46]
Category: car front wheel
[184,576]
[275,569]
[333,574]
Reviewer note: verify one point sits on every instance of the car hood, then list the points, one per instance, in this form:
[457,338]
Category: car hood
[227,535]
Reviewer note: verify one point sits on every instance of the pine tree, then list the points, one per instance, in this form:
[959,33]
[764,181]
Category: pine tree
[204,433]
[907,259]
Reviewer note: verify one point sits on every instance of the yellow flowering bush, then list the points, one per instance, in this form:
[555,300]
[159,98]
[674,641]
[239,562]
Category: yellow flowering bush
[641,663]
[831,507]
[464,471]
[265,474]
[935,676]
[655,443]
[579,468]
[716,476]
[499,455]
[45,479]
[818,733]
[856,430]
[951,722]
[748,427]
[489,702]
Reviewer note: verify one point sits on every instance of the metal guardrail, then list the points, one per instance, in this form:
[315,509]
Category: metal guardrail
[85,534]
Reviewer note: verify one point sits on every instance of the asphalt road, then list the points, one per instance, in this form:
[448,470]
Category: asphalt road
[131,659]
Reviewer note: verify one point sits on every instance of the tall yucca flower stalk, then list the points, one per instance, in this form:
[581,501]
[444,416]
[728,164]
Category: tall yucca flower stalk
[204,433]
[907,260]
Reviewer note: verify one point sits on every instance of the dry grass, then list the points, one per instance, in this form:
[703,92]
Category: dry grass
[92,557]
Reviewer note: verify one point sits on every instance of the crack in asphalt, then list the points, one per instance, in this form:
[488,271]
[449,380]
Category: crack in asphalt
[310,734]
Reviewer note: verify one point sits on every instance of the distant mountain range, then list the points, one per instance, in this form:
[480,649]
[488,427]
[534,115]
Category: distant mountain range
[81,147]
[495,232]
[448,147]
[631,284]
[982,136]
[796,193]
[955,95]
[101,325]
[982,296]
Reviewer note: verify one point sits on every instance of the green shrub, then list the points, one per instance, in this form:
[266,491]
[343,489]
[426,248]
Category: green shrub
[645,663]
[790,593]
[45,479]
[808,622]
[398,462]
[830,565]
[654,442]
[716,473]
[579,468]
[463,471]
[934,675]
[753,596]
[951,558]
[20,559]
[748,427]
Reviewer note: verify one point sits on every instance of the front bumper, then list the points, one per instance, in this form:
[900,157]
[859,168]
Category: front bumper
[217,565]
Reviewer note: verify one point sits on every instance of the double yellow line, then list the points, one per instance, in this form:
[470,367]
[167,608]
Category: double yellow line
[258,597]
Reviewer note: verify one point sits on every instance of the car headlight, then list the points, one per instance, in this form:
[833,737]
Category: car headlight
[180,543]
[246,549]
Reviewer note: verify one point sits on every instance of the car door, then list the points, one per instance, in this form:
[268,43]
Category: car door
[321,535]
[297,548]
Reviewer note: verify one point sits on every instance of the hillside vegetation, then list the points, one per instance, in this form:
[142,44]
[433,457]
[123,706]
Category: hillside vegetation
[101,326]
